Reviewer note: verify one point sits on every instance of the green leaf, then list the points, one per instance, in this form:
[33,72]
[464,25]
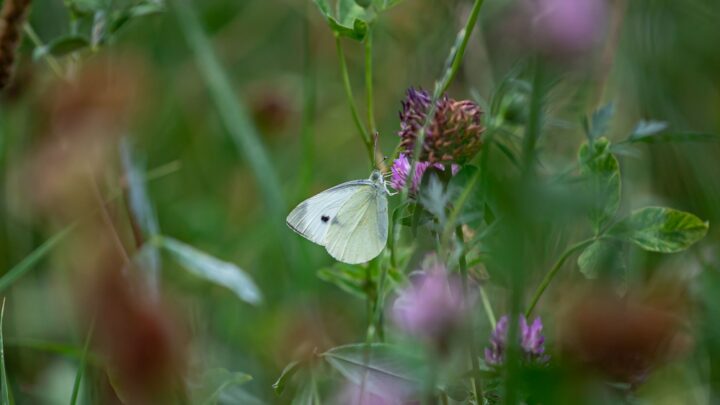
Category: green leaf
[214,382]
[600,122]
[32,259]
[349,19]
[353,278]
[214,270]
[379,364]
[601,171]
[5,391]
[673,137]
[348,277]
[659,229]
[139,10]
[287,373]
[601,256]
[61,46]
[468,204]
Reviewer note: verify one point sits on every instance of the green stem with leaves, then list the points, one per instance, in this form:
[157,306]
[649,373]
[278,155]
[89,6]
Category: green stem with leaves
[553,271]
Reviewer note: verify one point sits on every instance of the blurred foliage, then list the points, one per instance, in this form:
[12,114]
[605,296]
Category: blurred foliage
[229,144]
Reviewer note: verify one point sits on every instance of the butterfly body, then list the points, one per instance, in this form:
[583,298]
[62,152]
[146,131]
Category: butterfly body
[350,220]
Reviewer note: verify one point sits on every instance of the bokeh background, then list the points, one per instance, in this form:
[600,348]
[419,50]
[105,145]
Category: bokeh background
[655,59]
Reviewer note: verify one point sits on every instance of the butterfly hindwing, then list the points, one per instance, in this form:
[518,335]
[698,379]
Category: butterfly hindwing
[312,217]
[359,230]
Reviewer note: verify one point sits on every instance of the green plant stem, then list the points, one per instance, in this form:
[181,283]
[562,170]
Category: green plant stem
[369,82]
[380,305]
[553,271]
[467,31]
[308,109]
[488,308]
[351,101]
[532,131]
[477,384]
[49,59]
[83,364]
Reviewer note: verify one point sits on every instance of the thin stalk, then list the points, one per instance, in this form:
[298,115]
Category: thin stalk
[308,109]
[469,27]
[369,82]
[488,308]
[49,59]
[83,364]
[474,362]
[553,271]
[532,132]
[351,101]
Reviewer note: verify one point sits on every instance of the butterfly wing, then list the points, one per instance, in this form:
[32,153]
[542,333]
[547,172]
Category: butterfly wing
[358,233]
[312,217]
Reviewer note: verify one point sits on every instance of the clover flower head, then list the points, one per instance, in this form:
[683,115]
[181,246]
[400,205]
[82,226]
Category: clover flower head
[453,134]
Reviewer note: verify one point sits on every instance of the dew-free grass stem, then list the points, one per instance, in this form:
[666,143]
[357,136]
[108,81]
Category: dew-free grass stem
[469,27]
[553,271]
[474,362]
[369,82]
[351,101]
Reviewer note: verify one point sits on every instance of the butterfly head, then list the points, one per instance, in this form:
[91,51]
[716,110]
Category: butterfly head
[377,178]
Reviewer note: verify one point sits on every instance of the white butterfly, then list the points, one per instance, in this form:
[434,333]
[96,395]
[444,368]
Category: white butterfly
[350,219]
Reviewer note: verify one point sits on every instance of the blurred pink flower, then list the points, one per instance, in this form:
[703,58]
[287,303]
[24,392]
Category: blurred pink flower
[567,26]
[353,394]
[432,305]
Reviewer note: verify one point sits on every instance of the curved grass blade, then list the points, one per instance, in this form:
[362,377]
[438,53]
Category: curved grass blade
[5,391]
[33,258]
[231,110]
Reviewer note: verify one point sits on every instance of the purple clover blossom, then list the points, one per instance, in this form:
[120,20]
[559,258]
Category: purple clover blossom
[532,342]
[432,305]
[401,168]
[453,134]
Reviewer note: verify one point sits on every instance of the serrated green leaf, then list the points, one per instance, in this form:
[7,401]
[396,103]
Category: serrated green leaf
[61,46]
[288,372]
[660,229]
[214,382]
[214,270]
[601,172]
[378,365]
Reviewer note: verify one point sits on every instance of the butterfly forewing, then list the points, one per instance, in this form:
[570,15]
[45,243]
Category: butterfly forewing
[359,231]
[312,217]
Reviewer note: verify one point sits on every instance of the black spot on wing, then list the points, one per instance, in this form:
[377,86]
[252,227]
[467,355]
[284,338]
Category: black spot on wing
[324,218]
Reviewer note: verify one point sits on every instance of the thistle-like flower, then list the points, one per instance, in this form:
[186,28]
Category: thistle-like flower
[454,134]
[532,342]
